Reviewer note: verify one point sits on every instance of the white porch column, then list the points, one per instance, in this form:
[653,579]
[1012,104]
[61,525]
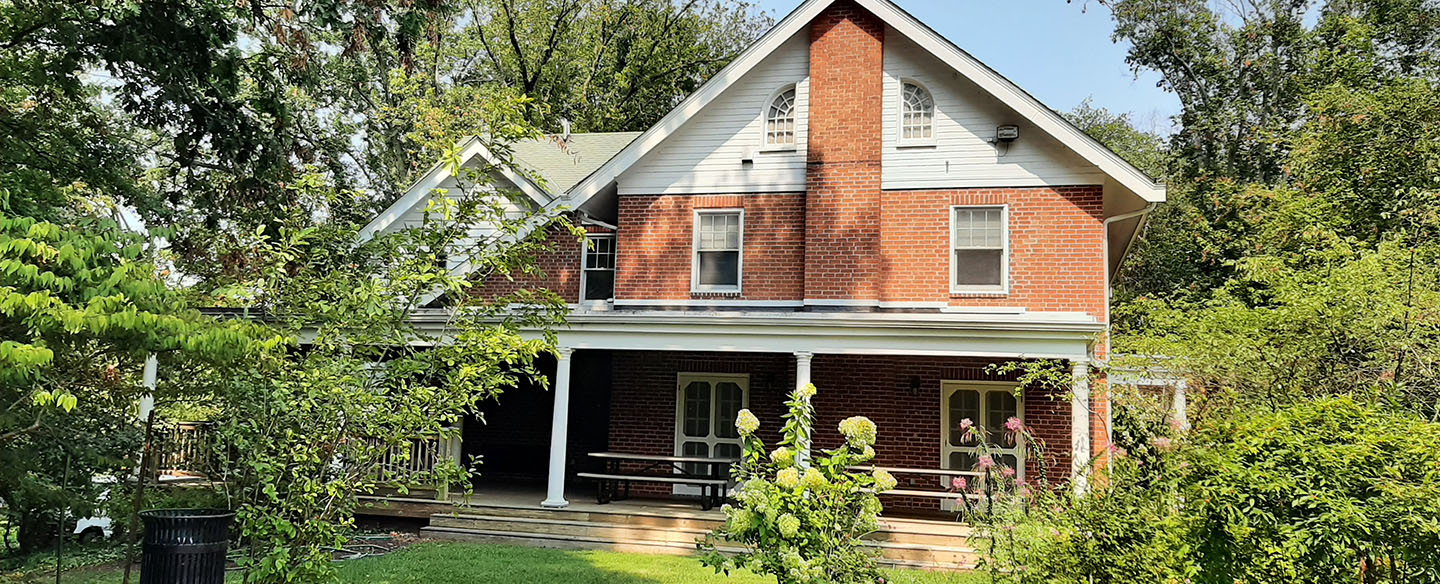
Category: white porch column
[1182,416]
[1080,428]
[802,379]
[559,431]
[149,379]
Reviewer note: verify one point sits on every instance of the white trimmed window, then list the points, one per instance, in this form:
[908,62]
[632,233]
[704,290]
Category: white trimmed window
[598,276]
[987,405]
[718,243]
[917,115]
[780,120]
[979,249]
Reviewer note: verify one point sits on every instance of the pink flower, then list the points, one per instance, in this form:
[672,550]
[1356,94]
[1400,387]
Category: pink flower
[1024,491]
[1162,443]
[958,483]
[960,501]
[984,463]
[1014,424]
[1007,472]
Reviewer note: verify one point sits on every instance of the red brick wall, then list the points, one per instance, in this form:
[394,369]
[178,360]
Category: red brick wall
[1057,247]
[644,393]
[560,267]
[842,237]
[655,245]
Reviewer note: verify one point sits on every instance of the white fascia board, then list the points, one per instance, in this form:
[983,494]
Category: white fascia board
[1018,99]
[977,72]
[470,148]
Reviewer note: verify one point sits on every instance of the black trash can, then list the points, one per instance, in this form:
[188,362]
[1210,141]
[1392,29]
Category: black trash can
[185,546]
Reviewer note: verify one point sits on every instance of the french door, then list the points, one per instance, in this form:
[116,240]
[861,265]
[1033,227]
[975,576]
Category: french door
[988,405]
[706,406]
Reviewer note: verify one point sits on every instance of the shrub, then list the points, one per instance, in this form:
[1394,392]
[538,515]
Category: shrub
[1328,490]
[802,520]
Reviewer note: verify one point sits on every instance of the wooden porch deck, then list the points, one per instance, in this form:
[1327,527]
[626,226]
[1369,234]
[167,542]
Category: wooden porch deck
[514,516]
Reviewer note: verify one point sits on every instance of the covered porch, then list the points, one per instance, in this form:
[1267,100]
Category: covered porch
[661,384]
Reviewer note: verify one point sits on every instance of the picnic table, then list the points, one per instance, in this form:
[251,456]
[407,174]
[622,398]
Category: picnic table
[613,484]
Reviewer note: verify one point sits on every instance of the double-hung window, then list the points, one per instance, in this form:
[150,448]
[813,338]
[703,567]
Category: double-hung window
[599,263]
[718,244]
[979,249]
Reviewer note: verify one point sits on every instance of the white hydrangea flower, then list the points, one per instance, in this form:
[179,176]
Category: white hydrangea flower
[859,431]
[806,392]
[789,525]
[813,479]
[783,457]
[884,481]
[746,423]
[788,478]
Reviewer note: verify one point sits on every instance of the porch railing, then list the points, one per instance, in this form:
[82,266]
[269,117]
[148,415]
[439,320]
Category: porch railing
[415,457]
[184,448]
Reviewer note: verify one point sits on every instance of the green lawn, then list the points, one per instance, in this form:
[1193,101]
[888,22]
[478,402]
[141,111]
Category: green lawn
[468,563]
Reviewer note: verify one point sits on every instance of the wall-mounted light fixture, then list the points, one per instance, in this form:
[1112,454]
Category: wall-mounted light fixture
[1004,135]
[915,385]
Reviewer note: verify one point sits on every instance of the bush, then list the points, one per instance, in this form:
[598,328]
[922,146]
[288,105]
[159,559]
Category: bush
[802,521]
[1329,490]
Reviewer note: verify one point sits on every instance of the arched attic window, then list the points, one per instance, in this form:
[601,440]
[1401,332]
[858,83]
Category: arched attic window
[780,120]
[917,115]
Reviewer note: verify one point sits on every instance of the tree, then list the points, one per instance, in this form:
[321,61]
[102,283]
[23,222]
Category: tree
[80,309]
[310,430]
[1249,76]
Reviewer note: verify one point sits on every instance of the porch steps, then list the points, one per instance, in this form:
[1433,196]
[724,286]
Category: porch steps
[907,543]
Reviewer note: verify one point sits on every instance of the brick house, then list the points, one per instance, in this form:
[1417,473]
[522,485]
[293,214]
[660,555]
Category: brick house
[854,202]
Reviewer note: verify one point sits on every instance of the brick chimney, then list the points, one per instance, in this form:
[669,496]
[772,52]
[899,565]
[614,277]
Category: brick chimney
[842,206]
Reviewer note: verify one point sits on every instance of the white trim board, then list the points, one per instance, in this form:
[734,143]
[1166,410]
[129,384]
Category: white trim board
[469,149]
[963,63]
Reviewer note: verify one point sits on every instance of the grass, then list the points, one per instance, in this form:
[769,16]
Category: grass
[472,563]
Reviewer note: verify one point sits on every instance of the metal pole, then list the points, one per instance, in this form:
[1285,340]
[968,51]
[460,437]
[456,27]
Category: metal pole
[64,510]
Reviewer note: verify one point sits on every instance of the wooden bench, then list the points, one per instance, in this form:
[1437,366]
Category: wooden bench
[613,485]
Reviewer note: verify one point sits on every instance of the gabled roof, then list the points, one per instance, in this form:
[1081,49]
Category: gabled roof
[963,63]
[562,163]
[559,163]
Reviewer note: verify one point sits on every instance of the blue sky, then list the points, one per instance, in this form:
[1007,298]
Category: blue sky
[1058,51]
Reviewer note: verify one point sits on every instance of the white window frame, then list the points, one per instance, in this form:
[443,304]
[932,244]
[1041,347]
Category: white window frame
[683,379]
[765,145]
[984,388]
[695,286]
[1004,287]
[585,265]
[900,139]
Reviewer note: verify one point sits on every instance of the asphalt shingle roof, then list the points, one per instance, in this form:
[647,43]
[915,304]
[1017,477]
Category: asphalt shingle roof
[563,165]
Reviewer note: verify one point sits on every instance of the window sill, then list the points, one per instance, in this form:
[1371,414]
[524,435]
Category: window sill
[979,293]
[917,145]
[778,149]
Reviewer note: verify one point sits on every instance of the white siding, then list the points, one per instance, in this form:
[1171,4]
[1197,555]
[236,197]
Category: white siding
[965,120]
[704,155]
[415,217]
